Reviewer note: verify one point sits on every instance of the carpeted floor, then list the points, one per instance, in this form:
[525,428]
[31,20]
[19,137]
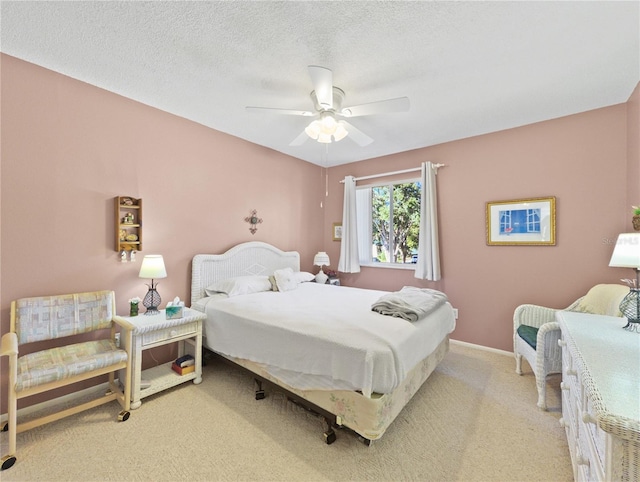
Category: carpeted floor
[473,420]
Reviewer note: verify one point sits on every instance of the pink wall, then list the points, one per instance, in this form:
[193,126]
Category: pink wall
[633,148]
[68,148]
[580,159]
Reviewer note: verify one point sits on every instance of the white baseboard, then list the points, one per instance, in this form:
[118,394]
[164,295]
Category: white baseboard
[480,347]
[103,387]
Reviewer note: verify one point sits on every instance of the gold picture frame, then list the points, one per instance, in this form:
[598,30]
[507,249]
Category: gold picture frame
[521,222]
[337,231]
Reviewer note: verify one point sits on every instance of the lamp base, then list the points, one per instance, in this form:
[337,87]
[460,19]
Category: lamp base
[630,307]
[151,302]
[321,277]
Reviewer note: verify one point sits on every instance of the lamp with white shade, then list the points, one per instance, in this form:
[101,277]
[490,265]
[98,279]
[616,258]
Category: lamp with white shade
[321,259]
[152,268]
[626,254]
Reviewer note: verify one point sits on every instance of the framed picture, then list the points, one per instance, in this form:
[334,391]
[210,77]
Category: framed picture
[523,222]
[337,231]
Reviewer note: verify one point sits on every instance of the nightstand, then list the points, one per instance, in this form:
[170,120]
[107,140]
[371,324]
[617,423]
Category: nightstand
[150,331]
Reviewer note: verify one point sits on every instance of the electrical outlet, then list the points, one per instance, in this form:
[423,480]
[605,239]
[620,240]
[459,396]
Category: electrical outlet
[118,340]
[455,313]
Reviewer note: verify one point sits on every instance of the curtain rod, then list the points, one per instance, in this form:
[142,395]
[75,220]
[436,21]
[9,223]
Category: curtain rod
[384,174]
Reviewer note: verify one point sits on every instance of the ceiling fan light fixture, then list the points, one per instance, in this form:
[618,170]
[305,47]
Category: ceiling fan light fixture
[325,128]
[313,129]
[341,132]
[328,123]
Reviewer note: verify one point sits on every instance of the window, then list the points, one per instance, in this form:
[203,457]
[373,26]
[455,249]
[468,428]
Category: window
[388,223]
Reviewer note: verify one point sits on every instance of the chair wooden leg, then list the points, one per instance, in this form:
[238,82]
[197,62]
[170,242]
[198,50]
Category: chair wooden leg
[518,363]
[12,410]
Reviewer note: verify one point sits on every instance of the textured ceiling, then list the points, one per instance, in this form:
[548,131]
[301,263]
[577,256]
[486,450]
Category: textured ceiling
[468,68]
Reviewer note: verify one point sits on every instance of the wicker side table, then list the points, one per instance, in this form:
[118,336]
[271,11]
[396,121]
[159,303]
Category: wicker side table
[156,330]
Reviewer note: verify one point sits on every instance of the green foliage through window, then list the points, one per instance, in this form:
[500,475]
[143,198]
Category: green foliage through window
[395,222]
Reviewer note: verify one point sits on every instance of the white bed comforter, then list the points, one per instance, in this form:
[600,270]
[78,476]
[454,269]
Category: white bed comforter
[323,331]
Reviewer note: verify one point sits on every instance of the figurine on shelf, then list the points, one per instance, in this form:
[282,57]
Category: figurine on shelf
[128,218]
[123,235]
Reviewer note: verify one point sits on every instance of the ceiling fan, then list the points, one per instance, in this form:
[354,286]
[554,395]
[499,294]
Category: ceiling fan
[329,123]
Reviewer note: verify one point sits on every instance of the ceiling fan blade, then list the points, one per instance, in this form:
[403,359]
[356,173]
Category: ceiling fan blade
[357,135]
[301,139]
[274,110]
[401,104]
[322,79]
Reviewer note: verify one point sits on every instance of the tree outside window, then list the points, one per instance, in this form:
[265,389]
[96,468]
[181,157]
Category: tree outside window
[395,222]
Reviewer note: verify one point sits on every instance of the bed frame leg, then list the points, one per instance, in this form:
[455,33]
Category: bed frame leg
[259,390]
[365,441]
[329,434]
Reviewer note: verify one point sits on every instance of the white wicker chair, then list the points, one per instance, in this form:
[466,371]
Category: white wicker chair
[546,357]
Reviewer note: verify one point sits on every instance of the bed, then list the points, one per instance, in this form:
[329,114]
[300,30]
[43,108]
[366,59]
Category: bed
[320,344]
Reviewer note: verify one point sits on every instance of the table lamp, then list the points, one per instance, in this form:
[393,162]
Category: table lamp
[321,259]
[152,268]
[626,254]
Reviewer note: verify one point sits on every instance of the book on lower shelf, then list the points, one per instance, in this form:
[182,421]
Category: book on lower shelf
[182,370]
[185,361]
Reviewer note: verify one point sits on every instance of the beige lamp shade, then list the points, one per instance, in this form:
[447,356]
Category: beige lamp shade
[321,259]
[626,253]
[153,267]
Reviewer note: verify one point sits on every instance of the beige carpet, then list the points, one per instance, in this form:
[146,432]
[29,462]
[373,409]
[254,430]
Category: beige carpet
[473,420]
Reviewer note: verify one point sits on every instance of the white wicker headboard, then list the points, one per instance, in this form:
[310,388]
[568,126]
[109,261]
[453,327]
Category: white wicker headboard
[252,258]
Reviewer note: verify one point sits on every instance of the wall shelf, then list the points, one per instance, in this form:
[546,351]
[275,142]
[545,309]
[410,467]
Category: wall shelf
[128,223]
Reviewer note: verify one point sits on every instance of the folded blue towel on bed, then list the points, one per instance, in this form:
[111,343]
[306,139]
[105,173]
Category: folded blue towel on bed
[410,303]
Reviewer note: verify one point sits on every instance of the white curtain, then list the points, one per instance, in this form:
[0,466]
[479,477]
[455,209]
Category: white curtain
[428,266]
[349,260]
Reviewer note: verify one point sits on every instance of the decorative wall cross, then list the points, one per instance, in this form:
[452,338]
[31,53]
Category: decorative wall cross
[253,220]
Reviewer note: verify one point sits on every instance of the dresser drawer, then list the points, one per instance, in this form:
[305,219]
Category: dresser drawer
[569,410]
[584,457]
[597,436]
[570,376]
[169,333]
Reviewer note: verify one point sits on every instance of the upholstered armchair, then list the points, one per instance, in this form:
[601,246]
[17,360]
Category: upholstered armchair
[536,332]
[54,319]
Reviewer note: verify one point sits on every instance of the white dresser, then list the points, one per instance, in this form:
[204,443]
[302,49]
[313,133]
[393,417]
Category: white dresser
[601,396]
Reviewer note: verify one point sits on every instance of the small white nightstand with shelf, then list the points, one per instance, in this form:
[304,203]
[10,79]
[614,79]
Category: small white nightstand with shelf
[150,331]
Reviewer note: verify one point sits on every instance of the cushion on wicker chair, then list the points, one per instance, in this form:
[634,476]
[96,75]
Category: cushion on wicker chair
[603,299]
[528,334]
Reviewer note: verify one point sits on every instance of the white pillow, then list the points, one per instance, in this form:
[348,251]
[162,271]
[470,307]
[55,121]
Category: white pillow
[303,276]
[286,279]
[240,285]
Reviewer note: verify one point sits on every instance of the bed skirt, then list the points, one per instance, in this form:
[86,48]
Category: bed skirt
[368,417]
